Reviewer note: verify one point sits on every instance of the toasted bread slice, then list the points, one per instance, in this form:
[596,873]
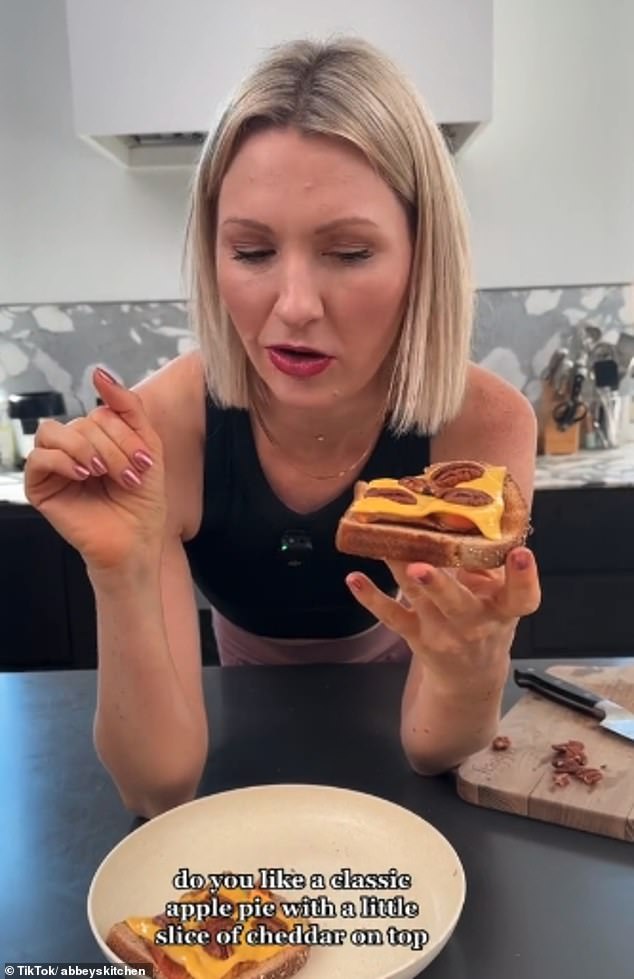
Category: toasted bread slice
[135,950]
[282,962]
[403,538]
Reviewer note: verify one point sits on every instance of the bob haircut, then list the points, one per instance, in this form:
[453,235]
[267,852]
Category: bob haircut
[346,88]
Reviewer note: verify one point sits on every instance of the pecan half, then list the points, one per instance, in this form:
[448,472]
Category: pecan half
[419,484]
[467,497]
[213,926]
[217,951]
[396,495]
[451,473]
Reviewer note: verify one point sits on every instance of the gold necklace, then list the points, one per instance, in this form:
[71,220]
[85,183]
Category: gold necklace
[319,438]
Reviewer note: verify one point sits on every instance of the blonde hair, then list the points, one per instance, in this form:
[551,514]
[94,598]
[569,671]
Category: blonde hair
[348,89]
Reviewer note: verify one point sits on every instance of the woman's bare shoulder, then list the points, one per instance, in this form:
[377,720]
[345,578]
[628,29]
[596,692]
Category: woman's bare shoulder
[179,383]
[173,398]
[496,424]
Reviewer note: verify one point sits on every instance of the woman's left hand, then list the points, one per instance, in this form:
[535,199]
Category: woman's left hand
[456,621]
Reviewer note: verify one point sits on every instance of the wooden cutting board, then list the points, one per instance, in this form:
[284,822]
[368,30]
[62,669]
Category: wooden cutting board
[519,780]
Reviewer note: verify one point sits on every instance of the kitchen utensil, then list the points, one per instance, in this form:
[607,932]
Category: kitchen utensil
[611,716]
[26,411]
[574,410]
[610,408]
[604,351]
[550,371]
[625,349]
[569,413]
[7,438]
[589,335]
[563,375]
[606,374]
[597,424]
[520,780]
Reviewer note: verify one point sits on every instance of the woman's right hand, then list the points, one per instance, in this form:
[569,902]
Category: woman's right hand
[99,480]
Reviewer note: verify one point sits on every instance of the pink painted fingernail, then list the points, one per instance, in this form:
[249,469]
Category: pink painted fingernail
[355,582]
[143,460]
[106,376]
[82,471]
[130,478]
[521,561]
[99,466]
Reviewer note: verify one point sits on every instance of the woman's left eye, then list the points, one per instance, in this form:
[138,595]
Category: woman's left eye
[253,256]
[357,256]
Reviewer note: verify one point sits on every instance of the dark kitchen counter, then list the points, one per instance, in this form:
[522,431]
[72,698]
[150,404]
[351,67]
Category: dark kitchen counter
[542,900]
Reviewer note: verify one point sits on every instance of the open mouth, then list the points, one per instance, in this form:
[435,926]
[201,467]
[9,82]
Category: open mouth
[299,353]
[299,361]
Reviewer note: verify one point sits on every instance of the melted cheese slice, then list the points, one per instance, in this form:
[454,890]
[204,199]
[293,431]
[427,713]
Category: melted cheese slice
[194,958]
[486,518]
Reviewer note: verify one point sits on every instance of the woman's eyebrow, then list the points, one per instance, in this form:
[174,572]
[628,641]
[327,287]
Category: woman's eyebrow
[329,226]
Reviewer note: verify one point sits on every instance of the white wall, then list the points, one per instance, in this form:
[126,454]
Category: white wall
[549,183]
[73,226]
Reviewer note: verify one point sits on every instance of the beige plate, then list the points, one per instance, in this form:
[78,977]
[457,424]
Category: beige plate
[307,829]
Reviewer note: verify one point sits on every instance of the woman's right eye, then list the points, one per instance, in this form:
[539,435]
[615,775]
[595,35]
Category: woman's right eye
[252,255]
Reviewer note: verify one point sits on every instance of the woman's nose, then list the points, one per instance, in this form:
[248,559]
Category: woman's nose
[299,301]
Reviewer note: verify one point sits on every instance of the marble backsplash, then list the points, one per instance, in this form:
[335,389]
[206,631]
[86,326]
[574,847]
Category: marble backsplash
[56,347]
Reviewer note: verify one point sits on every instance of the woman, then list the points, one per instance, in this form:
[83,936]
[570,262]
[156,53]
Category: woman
[332,300]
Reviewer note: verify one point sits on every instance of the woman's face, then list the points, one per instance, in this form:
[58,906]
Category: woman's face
[313,254]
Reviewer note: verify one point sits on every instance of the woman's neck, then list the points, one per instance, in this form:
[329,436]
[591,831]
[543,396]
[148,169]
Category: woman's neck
[328,439]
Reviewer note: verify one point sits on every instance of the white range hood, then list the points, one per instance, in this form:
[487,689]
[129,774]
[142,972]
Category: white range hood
[150,77]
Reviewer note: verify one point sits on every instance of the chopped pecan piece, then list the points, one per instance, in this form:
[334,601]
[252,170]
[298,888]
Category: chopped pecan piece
[466,496]
[451,473]
[571,759]
[589,775]
[570,751]
[396,495]
[569,746]
[560,779]
[501,743]
[567,765]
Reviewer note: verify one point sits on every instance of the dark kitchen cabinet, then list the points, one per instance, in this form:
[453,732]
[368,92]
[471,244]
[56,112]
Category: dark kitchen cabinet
[583,540]
[47,607]
[33,593]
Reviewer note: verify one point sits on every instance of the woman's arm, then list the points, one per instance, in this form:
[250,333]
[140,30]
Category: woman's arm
[448,716]
[150,727]
[460,625]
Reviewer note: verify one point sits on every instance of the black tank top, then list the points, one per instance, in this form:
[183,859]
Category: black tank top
[266,568]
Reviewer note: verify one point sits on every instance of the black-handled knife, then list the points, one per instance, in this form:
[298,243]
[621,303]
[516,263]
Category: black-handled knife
[611,716]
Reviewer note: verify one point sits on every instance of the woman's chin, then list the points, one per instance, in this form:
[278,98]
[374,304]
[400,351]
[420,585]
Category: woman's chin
[306,392]
[304,400]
